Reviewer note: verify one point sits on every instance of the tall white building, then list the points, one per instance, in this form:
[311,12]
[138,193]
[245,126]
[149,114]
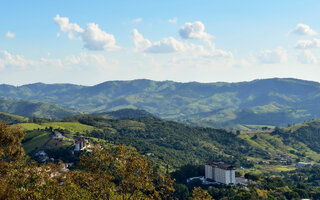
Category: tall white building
[80,144]
[220,172]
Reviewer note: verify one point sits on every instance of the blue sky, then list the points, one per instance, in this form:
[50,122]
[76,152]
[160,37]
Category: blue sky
[88,42]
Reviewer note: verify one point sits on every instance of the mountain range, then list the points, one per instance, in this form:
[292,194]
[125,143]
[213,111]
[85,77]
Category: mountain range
[243,105]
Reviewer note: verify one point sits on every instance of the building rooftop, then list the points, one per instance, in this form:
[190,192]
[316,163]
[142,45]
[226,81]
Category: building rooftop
[221,165]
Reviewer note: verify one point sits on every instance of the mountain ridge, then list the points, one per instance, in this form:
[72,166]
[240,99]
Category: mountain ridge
[260,102]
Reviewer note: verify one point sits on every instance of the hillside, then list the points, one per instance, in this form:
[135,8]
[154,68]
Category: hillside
[274,102]
[33,109]
[128,113]
[176,144]
[11,118]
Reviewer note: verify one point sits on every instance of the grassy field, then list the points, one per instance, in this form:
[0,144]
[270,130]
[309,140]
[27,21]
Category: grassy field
[268,169]
[35,142]
[73,127]
[15,116]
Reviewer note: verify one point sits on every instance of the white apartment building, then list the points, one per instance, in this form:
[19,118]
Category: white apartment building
[220,172]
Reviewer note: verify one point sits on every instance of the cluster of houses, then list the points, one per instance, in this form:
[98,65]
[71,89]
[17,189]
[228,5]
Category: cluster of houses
[80,144]
[42,156]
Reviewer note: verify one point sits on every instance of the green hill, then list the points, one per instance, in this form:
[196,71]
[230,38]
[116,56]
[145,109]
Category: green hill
[274,102]
[128,113]
[167,142]
[11,118]
[32,109]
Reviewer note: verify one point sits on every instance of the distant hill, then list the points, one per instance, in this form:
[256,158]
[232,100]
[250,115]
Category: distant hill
[32,109]
[274,102]
[11,118]
[128,113]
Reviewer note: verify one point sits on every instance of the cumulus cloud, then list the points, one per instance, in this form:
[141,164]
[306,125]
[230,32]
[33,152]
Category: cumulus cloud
[96,39]
[10,35]
[93,37]
[194,30]
[173,20]
[303,29]
[307,57]
[139,41]
[171,45]
[166,45]
[308,44]
[278,55]
[13,61]
[65,25]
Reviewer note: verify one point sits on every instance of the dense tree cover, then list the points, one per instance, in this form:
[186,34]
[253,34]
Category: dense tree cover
[128,113]
[106,173]
[296,184]
[307,133]
[12,119]
[172,143]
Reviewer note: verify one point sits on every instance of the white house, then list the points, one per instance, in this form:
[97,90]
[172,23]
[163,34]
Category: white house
[220,172]
[303,164]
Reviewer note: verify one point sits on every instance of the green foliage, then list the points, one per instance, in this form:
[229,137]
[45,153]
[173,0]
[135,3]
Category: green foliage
[171,143]
[129,114]
[11,118]
[118,173]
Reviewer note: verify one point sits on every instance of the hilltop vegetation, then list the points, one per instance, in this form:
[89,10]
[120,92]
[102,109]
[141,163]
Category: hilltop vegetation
[117,173]
[32,109]
[11,118]
[274,102]
[175,144]
[128,113]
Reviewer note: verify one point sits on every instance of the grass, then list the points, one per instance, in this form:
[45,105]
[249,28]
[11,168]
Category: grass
[36,142]
[73,127]
[21,118]
[269,169]
[31,126]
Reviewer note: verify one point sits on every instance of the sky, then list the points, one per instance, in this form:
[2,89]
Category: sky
[89,42]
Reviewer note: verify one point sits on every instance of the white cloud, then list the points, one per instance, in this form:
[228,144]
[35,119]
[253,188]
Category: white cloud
[13,61]
[9,34]
[65,25]
[278,55]
[303,29]
[194,30]
[308,44]
[8,60]
[173,20]
[96,39]
[307,57]
[171,45]
[139,41]
[137,20]
[93,37]
[166,45]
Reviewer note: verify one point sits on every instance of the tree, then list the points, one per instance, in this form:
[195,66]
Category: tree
[199,194]
[130,173]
